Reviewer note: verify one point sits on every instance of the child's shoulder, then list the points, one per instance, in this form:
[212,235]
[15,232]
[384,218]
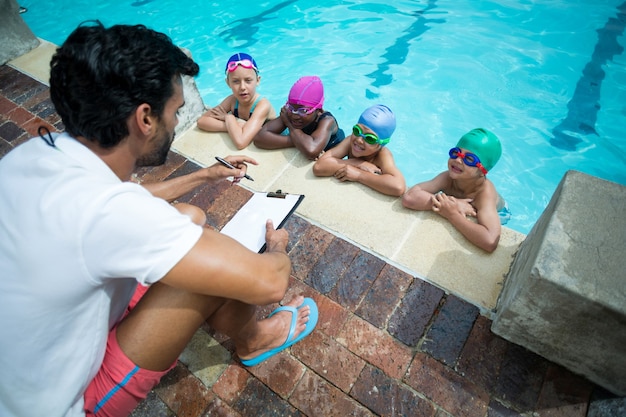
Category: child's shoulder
[228,102]
[264,105]
[444,182]
[263,102]
[489,187]
[487,192]
[341,150]
[384,153]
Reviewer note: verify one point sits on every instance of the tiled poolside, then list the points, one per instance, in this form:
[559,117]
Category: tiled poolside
[404,301]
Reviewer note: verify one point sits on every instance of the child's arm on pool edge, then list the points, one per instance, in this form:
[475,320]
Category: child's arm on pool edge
[485,232]
[419,196]
[332,160]
[242,133]
[213,119]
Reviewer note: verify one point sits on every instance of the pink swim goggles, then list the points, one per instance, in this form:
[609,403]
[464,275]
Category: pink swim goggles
[301,111]
[246,63]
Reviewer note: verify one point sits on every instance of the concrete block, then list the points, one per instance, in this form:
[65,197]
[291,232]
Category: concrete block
[565,295]
[612,407]
[17,38]
[194,105]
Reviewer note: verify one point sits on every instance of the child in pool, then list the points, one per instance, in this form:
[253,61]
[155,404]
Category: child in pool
[464,190]
[243,113]
[302,123]
[363,157]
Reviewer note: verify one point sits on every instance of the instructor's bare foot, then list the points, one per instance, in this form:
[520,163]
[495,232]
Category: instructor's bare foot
[273,331]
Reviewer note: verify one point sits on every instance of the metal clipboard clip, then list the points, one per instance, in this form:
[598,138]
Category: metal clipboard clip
[277,194]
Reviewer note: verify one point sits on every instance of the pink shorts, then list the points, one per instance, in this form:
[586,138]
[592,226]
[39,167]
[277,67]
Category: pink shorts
[120,385]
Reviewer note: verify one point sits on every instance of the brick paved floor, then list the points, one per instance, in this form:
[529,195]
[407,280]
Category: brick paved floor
[387,343]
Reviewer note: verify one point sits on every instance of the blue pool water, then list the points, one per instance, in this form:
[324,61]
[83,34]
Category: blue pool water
[548,77]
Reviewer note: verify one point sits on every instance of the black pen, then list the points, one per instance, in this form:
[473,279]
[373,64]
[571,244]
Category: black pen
[229,165]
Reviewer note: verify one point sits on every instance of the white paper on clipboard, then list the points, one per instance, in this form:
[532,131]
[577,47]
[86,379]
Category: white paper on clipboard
[248,225]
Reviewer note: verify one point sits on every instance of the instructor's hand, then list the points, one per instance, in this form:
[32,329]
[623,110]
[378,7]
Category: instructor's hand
[221,172]
[276,240]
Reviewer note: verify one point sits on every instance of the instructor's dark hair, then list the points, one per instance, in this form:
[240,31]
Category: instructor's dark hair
[99,76]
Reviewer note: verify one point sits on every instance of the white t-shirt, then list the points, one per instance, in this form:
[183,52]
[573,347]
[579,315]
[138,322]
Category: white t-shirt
[74,242]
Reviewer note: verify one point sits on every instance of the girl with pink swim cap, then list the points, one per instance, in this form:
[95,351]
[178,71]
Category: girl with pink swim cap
[368,160]
[243,113]
[303,123]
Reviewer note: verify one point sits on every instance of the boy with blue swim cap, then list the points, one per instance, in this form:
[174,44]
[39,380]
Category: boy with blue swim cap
[381,120]
[464,191]
[368,160]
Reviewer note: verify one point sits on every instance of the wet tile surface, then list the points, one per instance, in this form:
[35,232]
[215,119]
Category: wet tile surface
[387,343]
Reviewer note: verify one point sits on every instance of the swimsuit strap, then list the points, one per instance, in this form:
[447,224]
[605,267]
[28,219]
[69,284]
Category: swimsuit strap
[254,105]
[310,128]
[236,109]
[326,113]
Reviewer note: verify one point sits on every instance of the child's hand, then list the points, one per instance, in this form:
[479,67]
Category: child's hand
[369,167]
[465,206]
[285,118]
[447,206]
[218,113]
[347,173]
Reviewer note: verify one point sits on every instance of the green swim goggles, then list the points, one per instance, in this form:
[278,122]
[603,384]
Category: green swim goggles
[370,138]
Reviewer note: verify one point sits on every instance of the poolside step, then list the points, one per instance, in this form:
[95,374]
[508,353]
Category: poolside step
[17,38]
[194,105]
[565,295]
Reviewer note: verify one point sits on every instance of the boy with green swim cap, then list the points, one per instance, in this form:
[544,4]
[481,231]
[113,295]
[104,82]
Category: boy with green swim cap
[368,161]
[464,190]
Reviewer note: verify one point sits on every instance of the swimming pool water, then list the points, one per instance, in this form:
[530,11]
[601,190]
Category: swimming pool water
[548,77]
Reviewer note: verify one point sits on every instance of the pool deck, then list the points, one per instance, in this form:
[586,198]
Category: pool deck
[405,302]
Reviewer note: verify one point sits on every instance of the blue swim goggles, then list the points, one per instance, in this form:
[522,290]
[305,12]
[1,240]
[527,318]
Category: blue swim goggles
[370,138]
[469,159]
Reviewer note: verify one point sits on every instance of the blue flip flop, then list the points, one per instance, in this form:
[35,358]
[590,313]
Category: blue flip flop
[310,325]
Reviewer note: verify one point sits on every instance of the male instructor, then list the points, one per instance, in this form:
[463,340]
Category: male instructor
[79,336]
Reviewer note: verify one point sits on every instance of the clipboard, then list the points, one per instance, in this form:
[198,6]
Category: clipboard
[248,225]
